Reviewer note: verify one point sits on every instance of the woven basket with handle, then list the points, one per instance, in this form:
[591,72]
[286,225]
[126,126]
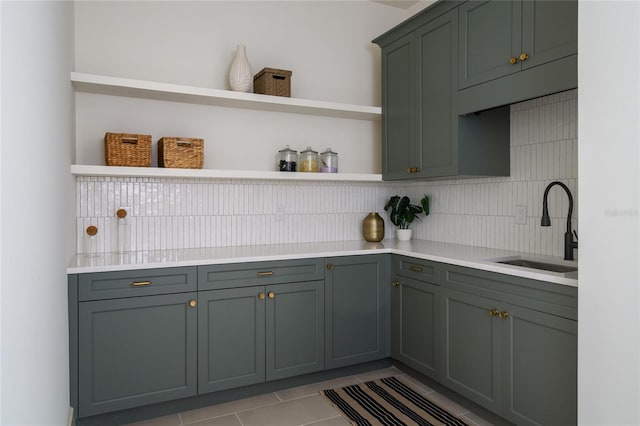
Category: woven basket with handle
[127,149]
[183,153]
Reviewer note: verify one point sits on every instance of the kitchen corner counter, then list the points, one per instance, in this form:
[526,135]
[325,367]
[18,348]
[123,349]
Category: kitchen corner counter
[455,254]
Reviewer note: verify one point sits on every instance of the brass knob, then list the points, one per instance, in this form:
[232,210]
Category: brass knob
[265,274]
[193,303]
[271,295]
[524,56]
[121,213]
[513,60]
[504,314]
[412,170]
[330,266]
[139,283]
[261,296]
[395,283]
[92,230]
[494,312]
[416,269]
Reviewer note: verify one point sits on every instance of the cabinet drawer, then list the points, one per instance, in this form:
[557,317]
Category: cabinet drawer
[143,282]
[259,273]
[422,270]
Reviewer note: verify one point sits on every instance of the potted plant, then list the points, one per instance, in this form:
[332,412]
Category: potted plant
[402,213]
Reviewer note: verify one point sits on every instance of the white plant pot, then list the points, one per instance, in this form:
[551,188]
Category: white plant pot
[403,234]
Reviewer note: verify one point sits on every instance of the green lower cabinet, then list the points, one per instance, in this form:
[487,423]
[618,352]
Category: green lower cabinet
[519,363]
[231,338]
[136,351]
[415,324]
[357,290]
[540,370]
[472,341]
[294,329]
[252,334]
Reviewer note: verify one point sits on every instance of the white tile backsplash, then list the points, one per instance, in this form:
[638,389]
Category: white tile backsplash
[169,213]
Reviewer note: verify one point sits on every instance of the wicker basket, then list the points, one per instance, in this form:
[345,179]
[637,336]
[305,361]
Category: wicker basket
[127,149]
[183,153]
[271,81]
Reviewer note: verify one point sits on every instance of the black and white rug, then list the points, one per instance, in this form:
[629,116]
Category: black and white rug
[388,402]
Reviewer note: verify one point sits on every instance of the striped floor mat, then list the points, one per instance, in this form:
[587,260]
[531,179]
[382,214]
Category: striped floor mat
[388,402]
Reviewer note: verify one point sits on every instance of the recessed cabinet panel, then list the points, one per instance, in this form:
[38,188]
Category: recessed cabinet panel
[416,324]
[437,120]
[541,380]
[136,351]
[295,329]
[489,38]
[472,348]
[231,338]
[549,31]
[357,290]
[398,108]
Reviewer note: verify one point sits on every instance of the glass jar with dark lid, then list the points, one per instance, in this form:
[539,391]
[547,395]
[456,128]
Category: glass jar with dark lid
[287,159]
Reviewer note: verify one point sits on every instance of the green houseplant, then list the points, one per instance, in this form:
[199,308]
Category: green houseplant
[402,213]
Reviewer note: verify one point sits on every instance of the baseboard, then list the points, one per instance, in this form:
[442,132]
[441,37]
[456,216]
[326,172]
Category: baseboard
[71,421]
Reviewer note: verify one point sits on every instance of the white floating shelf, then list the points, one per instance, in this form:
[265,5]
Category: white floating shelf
[100,84]
[157,172]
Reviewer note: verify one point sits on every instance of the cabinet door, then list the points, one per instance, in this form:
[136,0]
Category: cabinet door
[398,110]
[549,31]
[231,336]
[472,342]
[295,329]
[416,324]
[490,35]
[136,351]
[540,368]
[356,310]
[437,144]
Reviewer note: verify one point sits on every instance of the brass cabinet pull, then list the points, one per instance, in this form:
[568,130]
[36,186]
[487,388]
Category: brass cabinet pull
[261,296]
[416,269]
[524,56]
[494,312]
[330,266]
[271,295]
[395,283]
[513,60]
[193,303]
[504,314]
[412,170]
[265,274]
[139,283]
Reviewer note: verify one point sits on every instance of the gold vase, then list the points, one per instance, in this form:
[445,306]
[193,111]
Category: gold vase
[373,227]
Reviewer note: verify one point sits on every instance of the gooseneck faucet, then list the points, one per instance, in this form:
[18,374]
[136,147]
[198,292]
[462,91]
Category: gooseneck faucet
[569,243]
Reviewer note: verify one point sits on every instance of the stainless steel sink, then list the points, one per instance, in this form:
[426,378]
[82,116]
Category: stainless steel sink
[536,264]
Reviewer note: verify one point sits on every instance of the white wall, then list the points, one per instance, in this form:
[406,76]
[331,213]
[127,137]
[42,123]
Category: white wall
[609,157]
[36,151]
[327,45]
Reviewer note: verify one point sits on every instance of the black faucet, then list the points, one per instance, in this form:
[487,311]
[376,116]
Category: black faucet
[569,243]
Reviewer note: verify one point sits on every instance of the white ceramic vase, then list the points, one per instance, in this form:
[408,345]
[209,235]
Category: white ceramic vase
[240,75]
[403,234]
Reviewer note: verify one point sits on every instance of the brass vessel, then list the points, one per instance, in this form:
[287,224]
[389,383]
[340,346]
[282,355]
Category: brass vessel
[373,227]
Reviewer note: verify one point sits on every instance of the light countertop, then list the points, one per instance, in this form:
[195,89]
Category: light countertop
[455,254]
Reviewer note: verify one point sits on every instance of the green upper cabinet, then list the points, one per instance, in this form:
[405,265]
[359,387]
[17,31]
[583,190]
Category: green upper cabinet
[511,51]
[357,290]
[422,135]
[490,35]
[418,102]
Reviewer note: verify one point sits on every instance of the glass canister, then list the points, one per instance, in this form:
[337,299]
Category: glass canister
[329,161]
[309,160]
[287,159]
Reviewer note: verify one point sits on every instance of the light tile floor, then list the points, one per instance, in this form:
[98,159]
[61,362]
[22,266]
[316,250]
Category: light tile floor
[300,406]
